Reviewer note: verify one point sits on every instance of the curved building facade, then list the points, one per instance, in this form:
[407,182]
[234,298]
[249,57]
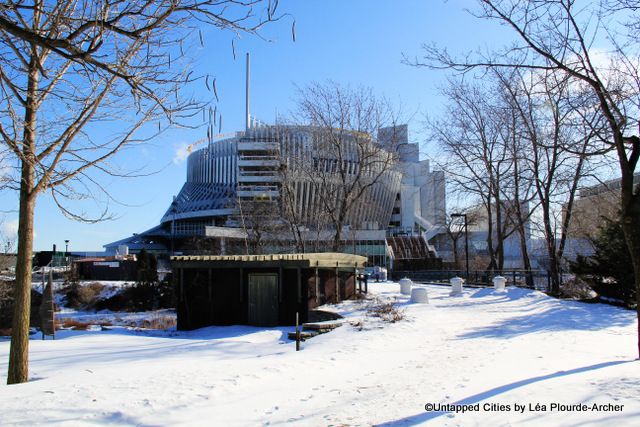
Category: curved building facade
[303,172]
[226,173]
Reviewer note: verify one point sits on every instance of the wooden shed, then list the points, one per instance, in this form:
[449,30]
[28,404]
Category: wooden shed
[260,290]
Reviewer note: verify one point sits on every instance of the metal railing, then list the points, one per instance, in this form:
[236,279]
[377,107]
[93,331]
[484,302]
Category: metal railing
[534,279]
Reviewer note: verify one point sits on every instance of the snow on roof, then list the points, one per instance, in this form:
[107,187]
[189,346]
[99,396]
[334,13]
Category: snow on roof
[325,259]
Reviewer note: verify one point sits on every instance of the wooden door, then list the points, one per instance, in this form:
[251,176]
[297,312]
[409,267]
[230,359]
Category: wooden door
[263,299]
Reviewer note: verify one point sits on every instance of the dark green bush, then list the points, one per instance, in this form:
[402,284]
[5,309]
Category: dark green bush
[140,297]
[608,271]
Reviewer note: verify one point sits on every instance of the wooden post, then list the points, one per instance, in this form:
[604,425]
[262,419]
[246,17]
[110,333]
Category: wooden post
[51,305]
[280,298]
[43,288]
[317,285]
[210,283]
[241,284]
[297,333]
[299,285]
[181,284]
[337,284]
[357,286]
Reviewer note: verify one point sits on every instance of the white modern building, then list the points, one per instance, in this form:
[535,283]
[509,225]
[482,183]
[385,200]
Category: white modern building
[407,200]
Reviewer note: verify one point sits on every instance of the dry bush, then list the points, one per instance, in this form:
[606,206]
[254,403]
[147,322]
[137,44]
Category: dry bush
[358,324]
[577,289]
[82,296]
[7,262]
[387,311]
[77,325]
[160,322]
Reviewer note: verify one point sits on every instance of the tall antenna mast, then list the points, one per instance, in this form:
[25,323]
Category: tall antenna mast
[247,116]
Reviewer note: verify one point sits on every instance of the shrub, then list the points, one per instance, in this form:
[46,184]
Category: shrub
[160,321]
[146,268]
[609,271]
[140,297]
[82,296]
[76,325]
[577,289]
[387,311]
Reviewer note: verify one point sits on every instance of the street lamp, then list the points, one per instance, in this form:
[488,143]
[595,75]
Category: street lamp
[466,239]
[66,252]
[173,208]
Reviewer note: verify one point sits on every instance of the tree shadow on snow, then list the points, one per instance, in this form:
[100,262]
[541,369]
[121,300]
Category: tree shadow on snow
[428,416]
[548,315]
[224,341]
[205,333]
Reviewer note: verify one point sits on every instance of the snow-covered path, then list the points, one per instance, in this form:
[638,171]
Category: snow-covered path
[492,349]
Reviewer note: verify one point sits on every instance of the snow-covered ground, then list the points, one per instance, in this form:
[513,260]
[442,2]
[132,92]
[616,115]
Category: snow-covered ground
[487,350]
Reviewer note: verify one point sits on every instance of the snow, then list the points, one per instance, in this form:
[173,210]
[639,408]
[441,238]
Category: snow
[483,348]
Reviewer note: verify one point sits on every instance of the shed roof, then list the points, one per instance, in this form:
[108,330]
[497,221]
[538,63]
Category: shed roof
[322,260]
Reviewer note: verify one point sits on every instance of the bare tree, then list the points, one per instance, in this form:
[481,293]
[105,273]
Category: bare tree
[556,142]
[346,165]
[68,70]
[561,36]
[263,223]
[519,187]
[7,248]
[290,178]
[471,136]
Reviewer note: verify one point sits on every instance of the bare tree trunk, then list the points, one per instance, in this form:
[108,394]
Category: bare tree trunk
[335,247]
[492,255]
[631,227]
[499,232]
[632,235]
[554,270]
[456,260]
[526,262]
[19,352]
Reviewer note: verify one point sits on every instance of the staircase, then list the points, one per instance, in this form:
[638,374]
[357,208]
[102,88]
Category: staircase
[310,330]
[410,247]
[413,253]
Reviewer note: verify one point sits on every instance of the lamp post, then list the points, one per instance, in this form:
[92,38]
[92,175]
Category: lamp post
[173,210]
[66,252]
[466,240]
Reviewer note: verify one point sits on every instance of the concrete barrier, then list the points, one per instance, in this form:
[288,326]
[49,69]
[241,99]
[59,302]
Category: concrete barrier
[419,295]
[405,286]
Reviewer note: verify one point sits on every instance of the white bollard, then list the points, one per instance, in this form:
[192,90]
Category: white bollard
[456,286]
[499,283]
[405,286]
[419,295]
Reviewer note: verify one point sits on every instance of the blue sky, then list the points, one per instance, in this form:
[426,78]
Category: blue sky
[354,42]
